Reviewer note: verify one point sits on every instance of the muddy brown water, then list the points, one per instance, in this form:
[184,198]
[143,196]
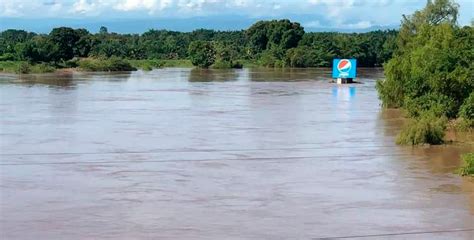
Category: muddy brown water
[232,154]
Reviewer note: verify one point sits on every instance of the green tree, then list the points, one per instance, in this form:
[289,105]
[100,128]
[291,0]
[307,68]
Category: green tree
[202,53]
[281,34]
[66,39]
[103,30]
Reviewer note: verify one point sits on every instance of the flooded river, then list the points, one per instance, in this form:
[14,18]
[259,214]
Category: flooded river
[235,154]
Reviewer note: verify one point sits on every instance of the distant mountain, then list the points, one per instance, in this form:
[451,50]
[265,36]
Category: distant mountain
[45,25]
[346,30]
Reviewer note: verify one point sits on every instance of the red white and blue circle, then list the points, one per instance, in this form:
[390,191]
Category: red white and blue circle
[344,68]
[344,65]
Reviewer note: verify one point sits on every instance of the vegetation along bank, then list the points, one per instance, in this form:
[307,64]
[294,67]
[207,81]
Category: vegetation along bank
[430,76]
[276,43]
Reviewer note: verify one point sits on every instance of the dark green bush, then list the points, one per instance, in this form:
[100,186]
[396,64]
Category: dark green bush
[7,57]
[226,64]
[202,53]
[305,56]
[118,64]
[221,65]
[468,165]
[467,108]
[438,104]
[72,63]
[426,129]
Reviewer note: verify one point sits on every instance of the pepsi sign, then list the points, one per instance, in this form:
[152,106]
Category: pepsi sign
[344,68]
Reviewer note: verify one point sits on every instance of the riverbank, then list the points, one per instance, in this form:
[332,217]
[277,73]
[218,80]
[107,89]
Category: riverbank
[110,64]
[90,64]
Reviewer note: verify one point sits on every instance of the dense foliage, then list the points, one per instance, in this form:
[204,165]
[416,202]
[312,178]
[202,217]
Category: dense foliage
[269,43]
[468,165]
[431,71]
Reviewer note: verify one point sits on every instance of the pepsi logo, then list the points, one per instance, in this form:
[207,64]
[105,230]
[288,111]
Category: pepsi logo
[344,66]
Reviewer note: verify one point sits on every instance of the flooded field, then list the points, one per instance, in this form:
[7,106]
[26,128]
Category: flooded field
[234,154]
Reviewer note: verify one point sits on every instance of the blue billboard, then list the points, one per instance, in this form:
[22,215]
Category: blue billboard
[344,68]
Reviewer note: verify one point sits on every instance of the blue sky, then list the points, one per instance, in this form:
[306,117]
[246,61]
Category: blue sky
[218,14]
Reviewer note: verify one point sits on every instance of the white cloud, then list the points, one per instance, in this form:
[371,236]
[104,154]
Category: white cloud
[358,25]
[84,7]
[13,8]
[149,5]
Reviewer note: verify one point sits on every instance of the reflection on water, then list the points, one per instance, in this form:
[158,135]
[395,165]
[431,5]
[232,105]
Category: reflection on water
[213,75]
[188,153]
[344,93]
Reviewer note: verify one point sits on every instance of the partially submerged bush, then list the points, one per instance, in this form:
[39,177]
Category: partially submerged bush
[43,68]
[147,64]
[468,165]
[110,65]
[24,68]
[226,64]
[72,63]
[426,129]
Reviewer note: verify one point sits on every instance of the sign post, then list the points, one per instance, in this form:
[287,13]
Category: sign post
[344,70]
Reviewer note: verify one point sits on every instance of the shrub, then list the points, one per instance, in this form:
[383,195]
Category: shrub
[463,125]
[468,165]
[7,57]
[111,64]
[118,64]
[24,68]
[427,129]
[221,65]
[202,53]
[43,68]
[467,108]
[72,63]
[438,104]
[237,65]
[147,64]
[267,59]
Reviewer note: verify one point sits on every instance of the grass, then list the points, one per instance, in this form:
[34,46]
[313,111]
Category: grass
[468,165]
[9,66]
[23,67]
[426,129]
[462,125]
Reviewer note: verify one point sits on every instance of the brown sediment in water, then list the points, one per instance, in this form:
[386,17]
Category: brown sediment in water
[229,154]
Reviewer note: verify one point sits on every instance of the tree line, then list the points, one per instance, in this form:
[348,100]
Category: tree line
[276,43]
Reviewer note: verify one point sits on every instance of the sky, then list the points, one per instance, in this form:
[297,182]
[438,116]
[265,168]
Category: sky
[186,15]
